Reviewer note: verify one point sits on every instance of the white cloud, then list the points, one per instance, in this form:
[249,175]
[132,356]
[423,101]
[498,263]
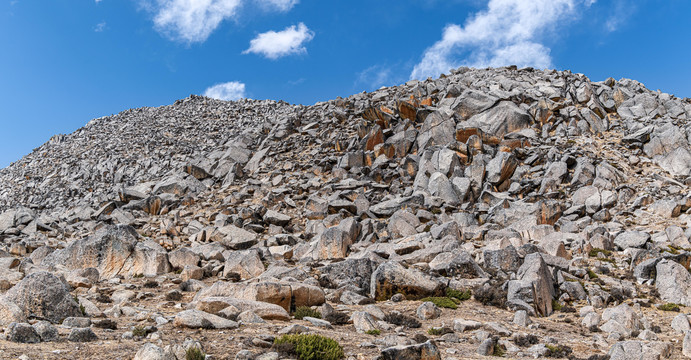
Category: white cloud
[620,12]
[280,5]
[227,91]
[506,33]
[100,27]
[274,45]
[192,20]
[98,1]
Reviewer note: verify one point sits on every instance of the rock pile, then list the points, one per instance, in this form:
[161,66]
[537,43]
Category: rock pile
[495,212]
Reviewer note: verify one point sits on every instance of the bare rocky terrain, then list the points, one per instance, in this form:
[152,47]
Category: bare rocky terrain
[501,212]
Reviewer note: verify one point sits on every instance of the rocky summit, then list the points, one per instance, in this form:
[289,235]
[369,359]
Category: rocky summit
[498,212]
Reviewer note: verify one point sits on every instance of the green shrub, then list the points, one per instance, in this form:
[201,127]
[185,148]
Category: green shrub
[303,311]
[556,305]
[139,331]
[312,347]
[373,332]
[558,351]
[456,294]
[669,307]
[592,275]
[438,331]
[499,350]
[443,302]
[194,353]
[595,251]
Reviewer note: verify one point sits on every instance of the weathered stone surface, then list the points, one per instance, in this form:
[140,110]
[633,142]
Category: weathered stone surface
[391,278]
[631,239]
[534,286]
[197,319]
[22,333]
[673,282]
[425,351]
[44,295]
[634,349]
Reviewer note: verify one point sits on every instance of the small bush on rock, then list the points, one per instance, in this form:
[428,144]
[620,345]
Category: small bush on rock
[443,302]
[306,311]
[194,353]
[669,307]
[312,347]
[456,294]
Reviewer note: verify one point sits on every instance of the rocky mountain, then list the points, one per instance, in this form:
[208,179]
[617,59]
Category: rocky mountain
[507,212]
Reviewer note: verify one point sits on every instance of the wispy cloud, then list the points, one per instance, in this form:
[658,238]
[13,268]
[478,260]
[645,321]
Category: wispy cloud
[232,90]
[191,20]
[620,13]
[508,32]
[376,76]
[100,27]
[274,45]
[280,5]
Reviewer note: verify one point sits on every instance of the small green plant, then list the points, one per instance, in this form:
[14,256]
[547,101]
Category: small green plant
[443,302]
[596,251]
[556,305]
[435,331]
[499,350]
[457,294]
[303,311]
[139,331]
[194,353]
[374,332]
[312,346]
[82,309]
[669,307]
[592,275]
[138,276]
[558,351]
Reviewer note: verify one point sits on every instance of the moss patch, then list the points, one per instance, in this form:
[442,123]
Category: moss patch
[312,347]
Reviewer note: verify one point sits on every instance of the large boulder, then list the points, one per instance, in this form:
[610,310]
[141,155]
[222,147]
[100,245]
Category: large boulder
[533,291]
[500,120]
[673,282]
[391,278]
[41,295]
[113,250]
[287,295]
[635,349]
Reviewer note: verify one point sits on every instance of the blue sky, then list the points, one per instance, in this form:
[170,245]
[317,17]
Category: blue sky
[64,62]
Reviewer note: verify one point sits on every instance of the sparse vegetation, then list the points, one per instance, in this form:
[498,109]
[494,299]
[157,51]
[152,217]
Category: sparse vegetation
[556,305]
[306,311]
[437,331]
[139,331]
[592,275]
[443,302]
[558,351]
[457,294]
[151,284]
[194,353]
[374,332]
[669,307]
[499,350]
[312,347]
[593,253]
